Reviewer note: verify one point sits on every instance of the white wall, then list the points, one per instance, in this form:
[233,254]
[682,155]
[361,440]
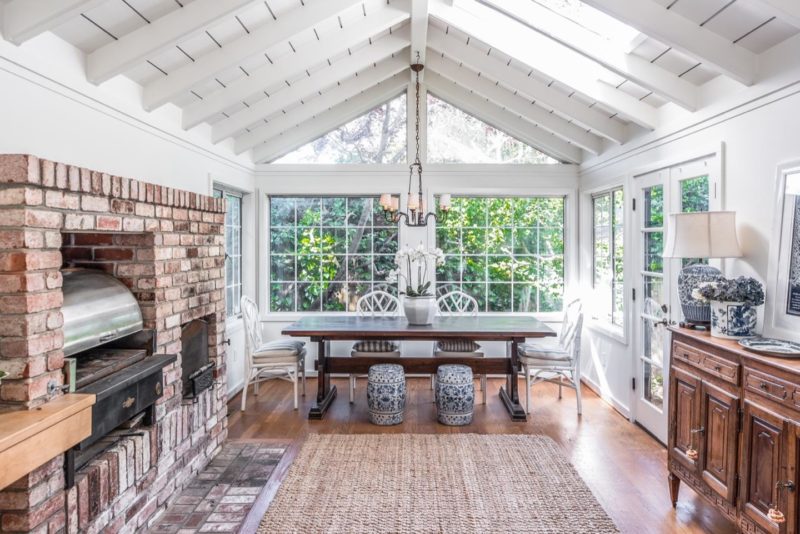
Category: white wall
[48,109]
[372,180]
[758,128]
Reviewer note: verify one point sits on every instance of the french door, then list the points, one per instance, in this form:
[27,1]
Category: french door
[682,188]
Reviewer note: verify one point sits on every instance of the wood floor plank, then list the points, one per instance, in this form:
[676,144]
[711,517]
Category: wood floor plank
[622,464]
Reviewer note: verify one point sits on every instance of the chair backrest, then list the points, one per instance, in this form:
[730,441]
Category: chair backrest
[252,330]
[570,336]
[457,303]
[376,303]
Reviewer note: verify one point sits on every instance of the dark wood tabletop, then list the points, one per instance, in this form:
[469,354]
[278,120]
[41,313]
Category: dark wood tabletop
[481,328]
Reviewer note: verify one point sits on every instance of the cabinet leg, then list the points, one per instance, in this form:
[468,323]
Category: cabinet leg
[674,486]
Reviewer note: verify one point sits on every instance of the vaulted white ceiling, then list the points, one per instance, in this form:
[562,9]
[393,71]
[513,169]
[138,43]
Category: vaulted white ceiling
[275,74]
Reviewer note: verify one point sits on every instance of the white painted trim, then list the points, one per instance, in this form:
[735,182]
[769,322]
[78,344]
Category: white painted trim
[608,398]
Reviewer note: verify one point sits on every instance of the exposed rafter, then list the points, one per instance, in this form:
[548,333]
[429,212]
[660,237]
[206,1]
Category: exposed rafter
[470,81]
[502,119]
[684,35]
[526,85]
[25,19]
[139,45]
[591,45]
[331,119]
[289,66]
[419,33]
[310,85]
[207,66]
[343,91]
[578,72]
[787,10]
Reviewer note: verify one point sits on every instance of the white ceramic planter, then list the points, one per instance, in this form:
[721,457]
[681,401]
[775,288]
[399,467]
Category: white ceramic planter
[420,310]
[732,320]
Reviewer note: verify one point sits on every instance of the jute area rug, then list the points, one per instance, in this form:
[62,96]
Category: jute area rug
[433,483]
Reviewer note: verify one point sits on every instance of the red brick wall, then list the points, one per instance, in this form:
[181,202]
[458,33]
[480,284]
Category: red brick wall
[167,245]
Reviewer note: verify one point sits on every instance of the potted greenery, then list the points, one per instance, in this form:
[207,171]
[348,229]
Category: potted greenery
[419,303]
[733,305]
[3,374]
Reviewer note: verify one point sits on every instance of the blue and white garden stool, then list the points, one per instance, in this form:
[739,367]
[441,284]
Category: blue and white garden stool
[455,394]
[386,394]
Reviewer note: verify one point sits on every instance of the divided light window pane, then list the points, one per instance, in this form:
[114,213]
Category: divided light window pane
[608,252]
[326,252]
[508,253]
[457,137]
[233,251]
[378,136]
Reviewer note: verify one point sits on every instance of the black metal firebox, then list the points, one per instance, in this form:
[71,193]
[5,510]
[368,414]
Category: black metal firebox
[197,372]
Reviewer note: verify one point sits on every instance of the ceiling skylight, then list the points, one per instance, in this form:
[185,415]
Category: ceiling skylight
[593,20]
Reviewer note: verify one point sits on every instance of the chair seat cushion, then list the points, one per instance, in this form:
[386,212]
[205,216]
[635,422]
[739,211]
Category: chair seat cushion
[546,352]
[279,349]
[448,354]
[456,345]
[360,354]
[375,345]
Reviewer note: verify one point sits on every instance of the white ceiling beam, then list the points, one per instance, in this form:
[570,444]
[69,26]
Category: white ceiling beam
[470,81]
[147,41]
[25,19]
[331,119]
[502,119]
[786,10]
[583,41]
[209,65]
[684,35]
[288,66]
[512,38]
[419,34]
[343,91]
[541,93]
[309,86]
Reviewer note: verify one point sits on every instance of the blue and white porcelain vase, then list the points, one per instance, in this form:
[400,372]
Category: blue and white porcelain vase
[690,278]
[455,394]
[732,320]
[386,394]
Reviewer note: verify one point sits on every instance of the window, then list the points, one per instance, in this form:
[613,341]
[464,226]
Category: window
[233,250]
[608,212]
[457,137]
[326,252]
[378,136]
[508,253]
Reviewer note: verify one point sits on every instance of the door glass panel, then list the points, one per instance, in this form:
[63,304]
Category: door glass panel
[653,384]
[654,206]
[654,288]
[653,252]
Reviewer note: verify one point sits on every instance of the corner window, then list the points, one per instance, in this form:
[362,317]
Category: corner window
[233,250]
[608,212]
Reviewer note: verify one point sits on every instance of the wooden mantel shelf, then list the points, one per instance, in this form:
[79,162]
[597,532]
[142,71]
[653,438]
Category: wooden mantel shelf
[30,438]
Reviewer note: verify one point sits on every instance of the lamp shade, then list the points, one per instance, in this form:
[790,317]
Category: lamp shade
[708,234]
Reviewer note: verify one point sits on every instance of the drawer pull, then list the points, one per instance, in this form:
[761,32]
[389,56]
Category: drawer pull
[764,386]
[718,368]
[128,402]
[789,485]
[700,430]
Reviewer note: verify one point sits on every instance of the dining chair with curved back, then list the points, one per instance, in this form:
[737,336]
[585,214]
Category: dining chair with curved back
[377,303]
[283,358]
[454,304]
[556,357]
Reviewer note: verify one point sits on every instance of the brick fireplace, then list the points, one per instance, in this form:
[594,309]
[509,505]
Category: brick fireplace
[166,245]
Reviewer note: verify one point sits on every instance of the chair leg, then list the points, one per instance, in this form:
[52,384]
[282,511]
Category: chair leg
[296,391]
[244,391]
[576,378]
[255,387]
[560,381]
[527,391]
[483,387]
[352,388]
[303,369]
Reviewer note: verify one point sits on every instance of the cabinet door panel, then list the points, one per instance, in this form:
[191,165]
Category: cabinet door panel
[685,411]
[764,434]
[719,417]
[790,496]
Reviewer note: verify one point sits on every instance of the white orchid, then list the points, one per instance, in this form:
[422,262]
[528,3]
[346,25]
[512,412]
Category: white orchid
[415,259]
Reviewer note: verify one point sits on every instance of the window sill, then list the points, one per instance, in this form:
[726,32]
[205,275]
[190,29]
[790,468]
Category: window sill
[289,317]
[617,333]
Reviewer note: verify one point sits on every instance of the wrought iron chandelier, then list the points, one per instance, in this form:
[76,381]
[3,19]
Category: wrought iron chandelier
[415,214]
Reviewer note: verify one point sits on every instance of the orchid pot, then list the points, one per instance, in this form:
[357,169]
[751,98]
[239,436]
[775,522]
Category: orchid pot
[734,303]
[419,311]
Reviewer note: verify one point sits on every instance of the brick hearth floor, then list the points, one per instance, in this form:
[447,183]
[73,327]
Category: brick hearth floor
[220,497]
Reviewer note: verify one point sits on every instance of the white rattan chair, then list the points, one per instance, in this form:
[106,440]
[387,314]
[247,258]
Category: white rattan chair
[554,359]
[376,303]
[457,303]
[282,358]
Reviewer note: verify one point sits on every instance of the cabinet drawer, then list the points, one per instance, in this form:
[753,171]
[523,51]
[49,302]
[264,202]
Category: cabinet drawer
[719,367]
[769,386]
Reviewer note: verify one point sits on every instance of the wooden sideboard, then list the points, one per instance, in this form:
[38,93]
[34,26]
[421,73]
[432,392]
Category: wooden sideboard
[734,430]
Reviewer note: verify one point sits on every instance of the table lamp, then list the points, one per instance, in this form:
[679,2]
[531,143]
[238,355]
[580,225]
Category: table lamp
[708,234]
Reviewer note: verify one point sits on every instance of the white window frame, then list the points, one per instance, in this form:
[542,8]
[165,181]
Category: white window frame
[619,329]
[228,191]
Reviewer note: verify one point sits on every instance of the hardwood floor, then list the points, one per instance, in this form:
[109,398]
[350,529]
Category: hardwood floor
[623,465]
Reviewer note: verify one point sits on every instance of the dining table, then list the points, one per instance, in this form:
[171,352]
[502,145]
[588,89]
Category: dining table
[512,330]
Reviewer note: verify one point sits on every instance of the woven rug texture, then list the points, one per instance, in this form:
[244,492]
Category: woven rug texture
[409,483]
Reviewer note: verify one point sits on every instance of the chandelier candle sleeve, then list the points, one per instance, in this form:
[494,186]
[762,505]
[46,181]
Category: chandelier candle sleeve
[386,201]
